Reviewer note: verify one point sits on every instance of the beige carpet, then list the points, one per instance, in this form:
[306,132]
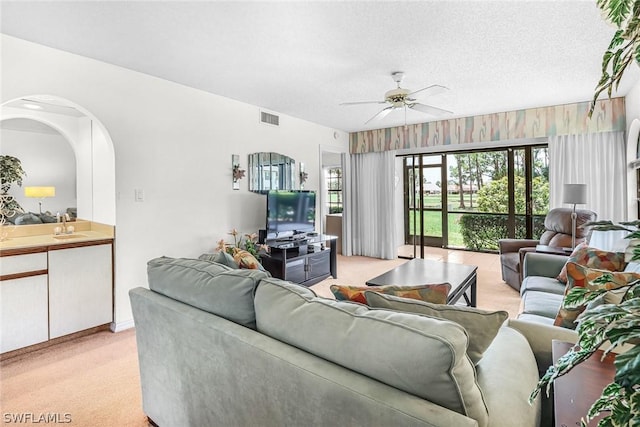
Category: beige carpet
[95,379]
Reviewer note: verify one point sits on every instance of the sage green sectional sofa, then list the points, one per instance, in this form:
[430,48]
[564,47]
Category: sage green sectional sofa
[541,292]
[225,347]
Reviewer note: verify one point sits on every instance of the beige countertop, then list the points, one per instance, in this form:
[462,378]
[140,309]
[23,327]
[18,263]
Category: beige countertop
[34,236]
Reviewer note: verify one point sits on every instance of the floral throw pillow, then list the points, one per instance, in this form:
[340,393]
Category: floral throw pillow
[593,258]
[581,277]
[244,259]
[434,293]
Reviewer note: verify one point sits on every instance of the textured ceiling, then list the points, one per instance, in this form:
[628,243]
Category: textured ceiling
[304,58]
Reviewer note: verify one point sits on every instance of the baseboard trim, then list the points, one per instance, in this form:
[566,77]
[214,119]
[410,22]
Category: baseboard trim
[54,341]
[121,326]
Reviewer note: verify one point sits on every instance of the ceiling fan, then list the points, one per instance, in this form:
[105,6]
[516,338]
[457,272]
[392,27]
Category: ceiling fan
[404,98]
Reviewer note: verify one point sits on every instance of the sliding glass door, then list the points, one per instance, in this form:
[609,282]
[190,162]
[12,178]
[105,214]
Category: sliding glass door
[471,199]
[424,220]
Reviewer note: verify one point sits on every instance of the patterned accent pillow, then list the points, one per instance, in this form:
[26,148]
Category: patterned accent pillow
[594,258]
[435,293]
[244,259]
[581,277]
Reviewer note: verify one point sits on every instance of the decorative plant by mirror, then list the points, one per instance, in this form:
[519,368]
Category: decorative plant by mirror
[237,173]
[303,176]
[625,44]
[611,325]
[10,172]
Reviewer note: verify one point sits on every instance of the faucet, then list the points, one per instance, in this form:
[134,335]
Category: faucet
[65,218]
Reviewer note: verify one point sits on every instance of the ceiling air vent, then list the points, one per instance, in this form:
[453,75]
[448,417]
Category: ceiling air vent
[270,119]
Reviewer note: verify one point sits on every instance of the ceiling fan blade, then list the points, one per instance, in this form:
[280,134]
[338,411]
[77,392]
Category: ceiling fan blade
[435,111]
[433,90]
[362,102]
[380,114]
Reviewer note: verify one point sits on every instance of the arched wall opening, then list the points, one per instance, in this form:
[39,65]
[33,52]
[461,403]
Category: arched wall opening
[91,143]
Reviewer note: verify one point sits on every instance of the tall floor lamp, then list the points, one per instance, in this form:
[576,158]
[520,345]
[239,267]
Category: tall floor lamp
[575,194]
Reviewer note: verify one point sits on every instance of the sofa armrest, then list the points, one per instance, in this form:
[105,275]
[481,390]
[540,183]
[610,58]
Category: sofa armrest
[545,265]
[540,336]
[514,245]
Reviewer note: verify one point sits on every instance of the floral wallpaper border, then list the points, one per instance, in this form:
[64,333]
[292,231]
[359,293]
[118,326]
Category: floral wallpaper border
[567,119]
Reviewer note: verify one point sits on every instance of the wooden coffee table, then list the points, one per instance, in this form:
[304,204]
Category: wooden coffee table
[421,272]
[575,392]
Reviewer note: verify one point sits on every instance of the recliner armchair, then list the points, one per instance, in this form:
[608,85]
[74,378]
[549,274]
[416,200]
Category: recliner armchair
[557,233]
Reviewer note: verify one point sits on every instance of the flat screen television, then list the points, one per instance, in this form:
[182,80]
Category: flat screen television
[290,212]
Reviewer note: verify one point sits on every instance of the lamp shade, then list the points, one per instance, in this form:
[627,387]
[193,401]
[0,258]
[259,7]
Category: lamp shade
[575,194]
[39,192]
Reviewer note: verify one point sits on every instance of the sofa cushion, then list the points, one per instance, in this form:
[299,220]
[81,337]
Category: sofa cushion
[541,303]
[435,293]
[536,318]
[542,284]
[417,354]
[507,373]
[481,326]
[221,257]
[207,285]
[27,218]
[594,258]
[582,277]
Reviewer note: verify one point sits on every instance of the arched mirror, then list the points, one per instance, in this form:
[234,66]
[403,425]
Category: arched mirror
[271,171]
[65,149]
[49,163]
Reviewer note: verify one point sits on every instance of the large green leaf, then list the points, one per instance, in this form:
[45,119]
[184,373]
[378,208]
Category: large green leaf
[624,47]
[628,368]
[616,10]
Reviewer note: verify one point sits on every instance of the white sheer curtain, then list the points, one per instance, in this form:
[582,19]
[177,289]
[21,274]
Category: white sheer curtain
[597,160]
[369,221]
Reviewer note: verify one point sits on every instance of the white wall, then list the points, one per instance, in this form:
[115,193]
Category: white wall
[632,105]
[174,143]
[48,160]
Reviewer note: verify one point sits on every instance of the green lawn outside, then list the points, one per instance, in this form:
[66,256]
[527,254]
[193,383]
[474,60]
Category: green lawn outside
[433,226]
[434,201]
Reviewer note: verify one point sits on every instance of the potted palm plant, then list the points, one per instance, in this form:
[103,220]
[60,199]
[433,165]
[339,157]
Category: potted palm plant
[624,48]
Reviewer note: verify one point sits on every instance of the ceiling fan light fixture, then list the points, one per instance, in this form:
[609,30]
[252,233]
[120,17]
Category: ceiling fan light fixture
[403,98]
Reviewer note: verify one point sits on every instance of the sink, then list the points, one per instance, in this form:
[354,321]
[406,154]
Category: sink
[69,236]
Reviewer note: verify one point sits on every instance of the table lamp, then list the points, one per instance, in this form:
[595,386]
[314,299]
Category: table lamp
[39,193]
[575,194]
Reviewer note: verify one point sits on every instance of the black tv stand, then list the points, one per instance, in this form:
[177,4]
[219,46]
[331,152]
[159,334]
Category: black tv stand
[304,261]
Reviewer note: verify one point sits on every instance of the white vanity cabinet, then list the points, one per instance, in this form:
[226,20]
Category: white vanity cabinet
[80,289]
[23,301]
[55,290]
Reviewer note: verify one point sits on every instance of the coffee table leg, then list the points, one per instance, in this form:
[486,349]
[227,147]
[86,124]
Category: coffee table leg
[466,298]
[474,295]
[472,285]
